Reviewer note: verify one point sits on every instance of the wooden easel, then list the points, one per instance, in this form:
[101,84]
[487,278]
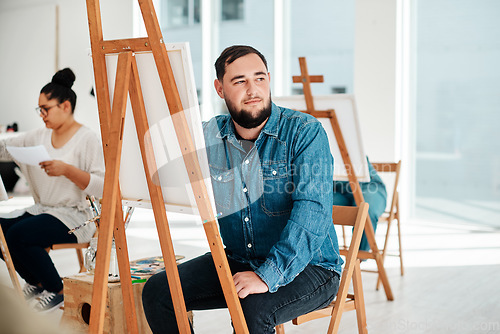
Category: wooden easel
[10,265]
[306,80]
[111,121]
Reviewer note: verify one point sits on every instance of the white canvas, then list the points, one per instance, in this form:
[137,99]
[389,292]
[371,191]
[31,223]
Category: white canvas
[170,169]
[347,115]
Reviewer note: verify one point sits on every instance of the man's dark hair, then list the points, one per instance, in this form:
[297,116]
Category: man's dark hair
[232,53]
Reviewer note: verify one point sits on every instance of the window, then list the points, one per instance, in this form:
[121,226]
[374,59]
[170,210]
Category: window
[232,10]
[179,13]
[327,42]
[457,99]
[182,13]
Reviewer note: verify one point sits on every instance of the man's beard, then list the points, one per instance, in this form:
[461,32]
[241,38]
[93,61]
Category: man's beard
[245,119]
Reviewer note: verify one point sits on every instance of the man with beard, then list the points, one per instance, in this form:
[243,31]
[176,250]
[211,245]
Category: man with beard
[271,171]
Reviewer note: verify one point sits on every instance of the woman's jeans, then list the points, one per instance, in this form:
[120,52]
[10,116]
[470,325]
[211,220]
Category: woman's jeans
[313,288]
[27,237]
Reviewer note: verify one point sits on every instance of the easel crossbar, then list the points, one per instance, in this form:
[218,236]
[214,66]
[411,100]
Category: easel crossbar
[124,45]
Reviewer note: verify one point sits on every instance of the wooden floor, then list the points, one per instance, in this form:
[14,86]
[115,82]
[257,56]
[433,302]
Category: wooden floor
[451,282]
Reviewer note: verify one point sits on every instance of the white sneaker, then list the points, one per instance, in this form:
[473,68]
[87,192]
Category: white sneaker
[49,301]
[31,291]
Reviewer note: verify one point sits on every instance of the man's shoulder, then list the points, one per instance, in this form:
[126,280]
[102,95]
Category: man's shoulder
[216,122]
[216,128]
[295,117]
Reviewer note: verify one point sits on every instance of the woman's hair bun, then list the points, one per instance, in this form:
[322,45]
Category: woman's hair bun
[64,77]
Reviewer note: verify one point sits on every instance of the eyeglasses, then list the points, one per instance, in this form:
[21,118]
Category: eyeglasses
[44,111]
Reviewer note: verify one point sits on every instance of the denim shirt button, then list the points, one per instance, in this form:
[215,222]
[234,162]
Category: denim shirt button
[249,245]
[247,219]
[245,189]
[219,178]
[274,172]
[247,162]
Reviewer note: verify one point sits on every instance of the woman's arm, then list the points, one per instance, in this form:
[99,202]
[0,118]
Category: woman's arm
[13,140]
[74,174]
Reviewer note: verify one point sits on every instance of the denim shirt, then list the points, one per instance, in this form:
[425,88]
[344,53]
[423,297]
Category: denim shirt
[276,200]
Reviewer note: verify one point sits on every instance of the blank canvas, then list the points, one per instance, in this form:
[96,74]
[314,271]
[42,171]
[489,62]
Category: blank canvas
[170,170]
[347,115]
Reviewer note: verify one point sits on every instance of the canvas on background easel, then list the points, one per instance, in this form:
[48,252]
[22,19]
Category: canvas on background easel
[127,84]
[350,168]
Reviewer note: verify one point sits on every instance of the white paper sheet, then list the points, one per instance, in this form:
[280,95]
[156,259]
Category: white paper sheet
[3,192]
[31,155]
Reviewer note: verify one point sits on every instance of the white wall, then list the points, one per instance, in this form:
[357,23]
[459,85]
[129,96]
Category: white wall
[33,38]
[382,73]
[375,76]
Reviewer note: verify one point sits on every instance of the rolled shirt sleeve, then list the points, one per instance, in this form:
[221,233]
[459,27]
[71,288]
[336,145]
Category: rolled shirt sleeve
[310,221]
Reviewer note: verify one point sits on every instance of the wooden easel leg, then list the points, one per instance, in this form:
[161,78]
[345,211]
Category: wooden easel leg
[100,71]
[384,249]
[225,277]
[338,309]
[79,255]
[359,299]
[110,193]
[398,219]
[124,269]
[344,236]
[386,240]
[110,135]
[210,225]
[10,265]
[370,236]
[155,193]
[400,248]
[358,197]
[192,164]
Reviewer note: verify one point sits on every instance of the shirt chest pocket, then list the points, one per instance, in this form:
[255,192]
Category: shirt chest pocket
[223,185]
[278,187]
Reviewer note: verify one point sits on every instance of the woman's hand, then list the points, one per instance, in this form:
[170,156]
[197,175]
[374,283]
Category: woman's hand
[74,174]
[54,167]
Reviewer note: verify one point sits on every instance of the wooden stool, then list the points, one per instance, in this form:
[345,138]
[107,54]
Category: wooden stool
[77,305]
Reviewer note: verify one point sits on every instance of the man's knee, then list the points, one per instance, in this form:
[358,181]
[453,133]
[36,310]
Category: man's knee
[259,323]
[153,292]
[157,304]
[259,318]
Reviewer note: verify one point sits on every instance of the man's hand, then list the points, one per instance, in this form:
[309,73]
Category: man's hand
[54,167]
[247,283]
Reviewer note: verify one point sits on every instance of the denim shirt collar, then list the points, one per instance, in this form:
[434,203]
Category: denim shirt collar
[271,128]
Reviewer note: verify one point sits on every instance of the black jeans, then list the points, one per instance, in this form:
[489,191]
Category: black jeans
[27,237]
[313,288]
